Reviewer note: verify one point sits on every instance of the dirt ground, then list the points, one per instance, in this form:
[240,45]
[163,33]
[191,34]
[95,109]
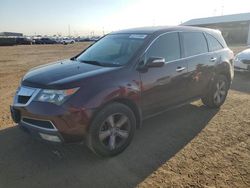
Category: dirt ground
[191,146]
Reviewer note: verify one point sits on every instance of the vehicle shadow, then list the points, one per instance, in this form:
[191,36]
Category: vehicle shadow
[25,162]
[241,82]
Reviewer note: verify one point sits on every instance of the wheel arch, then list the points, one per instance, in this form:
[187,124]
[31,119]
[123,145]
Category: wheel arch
[221,69]
[225,70]
[127,102]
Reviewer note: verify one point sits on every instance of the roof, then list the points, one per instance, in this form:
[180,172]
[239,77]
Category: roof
[142,30]
[163,29]
[219,19]
[158,29]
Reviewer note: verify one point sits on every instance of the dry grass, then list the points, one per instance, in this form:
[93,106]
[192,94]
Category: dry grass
[218,157]
[15,61]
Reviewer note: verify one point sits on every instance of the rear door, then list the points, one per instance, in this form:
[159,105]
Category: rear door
[215,49]
[199,60]
[164,86]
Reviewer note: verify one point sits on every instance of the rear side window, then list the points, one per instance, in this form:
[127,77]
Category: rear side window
[194,43]
[213,43]
[166,46]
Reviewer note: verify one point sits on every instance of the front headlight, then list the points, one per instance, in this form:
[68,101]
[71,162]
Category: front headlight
[55,96]
[236,59]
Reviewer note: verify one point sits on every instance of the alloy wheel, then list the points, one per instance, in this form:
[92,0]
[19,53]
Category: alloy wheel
[114,131]
[220,92]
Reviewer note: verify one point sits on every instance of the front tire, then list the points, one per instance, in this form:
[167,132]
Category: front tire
[217,94]
[112,130]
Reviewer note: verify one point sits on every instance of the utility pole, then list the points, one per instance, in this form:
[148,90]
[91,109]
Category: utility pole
[69,30]
[214,12]
[222,8]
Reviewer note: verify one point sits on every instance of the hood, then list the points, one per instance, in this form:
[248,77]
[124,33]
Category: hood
[62,74]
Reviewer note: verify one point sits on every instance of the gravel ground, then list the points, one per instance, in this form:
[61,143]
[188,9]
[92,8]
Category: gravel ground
[191,146]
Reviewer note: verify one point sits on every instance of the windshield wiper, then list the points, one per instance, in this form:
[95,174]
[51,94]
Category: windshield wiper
[92,62]
[73,58]
[104,64]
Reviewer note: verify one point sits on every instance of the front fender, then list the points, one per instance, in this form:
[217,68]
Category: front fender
[130,92]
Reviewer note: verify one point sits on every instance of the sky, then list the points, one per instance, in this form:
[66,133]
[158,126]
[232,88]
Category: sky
[95,17]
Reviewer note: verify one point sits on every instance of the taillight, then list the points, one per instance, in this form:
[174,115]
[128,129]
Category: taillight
[231,57]
[231,54]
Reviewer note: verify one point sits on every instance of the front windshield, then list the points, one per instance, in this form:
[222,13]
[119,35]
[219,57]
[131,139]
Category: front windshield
[113,50]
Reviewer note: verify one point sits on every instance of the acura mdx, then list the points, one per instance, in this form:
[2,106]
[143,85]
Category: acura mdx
[101,95]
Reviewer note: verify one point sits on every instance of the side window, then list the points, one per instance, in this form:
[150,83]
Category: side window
[194,43]
[213,43]
[166,46]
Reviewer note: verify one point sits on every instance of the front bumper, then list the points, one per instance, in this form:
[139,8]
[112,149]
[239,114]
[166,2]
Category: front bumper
[65,128]
[50,122]
[241,67]
[41,134]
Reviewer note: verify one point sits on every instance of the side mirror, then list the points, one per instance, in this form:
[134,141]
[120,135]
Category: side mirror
[155,62]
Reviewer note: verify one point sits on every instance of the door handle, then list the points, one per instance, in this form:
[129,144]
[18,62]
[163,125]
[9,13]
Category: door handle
[213,59]
[179,69]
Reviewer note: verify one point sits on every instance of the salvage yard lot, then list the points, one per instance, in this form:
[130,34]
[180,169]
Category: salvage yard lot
[190,146]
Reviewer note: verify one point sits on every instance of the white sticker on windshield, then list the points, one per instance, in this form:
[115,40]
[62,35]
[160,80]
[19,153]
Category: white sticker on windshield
[137,36]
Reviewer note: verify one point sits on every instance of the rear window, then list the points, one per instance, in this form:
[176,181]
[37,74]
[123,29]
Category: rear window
[213,43]
[194,43]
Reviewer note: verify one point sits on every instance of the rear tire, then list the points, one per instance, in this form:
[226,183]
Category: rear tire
[112,130]
[217,94]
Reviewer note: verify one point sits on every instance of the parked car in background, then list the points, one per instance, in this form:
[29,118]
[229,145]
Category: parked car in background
[67,41]
[24,40]
[89,39]
[38,41]
[95,38]
[242,61]
[45,40]
[80,39]
[104,93]
[6,41]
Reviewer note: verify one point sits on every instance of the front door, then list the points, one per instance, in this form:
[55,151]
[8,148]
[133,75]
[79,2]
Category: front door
[164,86]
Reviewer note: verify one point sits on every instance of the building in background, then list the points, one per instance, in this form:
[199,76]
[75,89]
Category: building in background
[9,38]
[235,28]
[10,34]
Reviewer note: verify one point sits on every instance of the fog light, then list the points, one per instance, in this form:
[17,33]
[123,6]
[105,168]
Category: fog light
[51,138]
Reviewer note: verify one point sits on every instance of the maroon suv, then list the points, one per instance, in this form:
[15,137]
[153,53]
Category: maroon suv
[103,94]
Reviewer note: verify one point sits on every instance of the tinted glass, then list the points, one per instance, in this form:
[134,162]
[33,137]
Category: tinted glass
[194,43]
[113,50]
[213,43]
[166,46]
